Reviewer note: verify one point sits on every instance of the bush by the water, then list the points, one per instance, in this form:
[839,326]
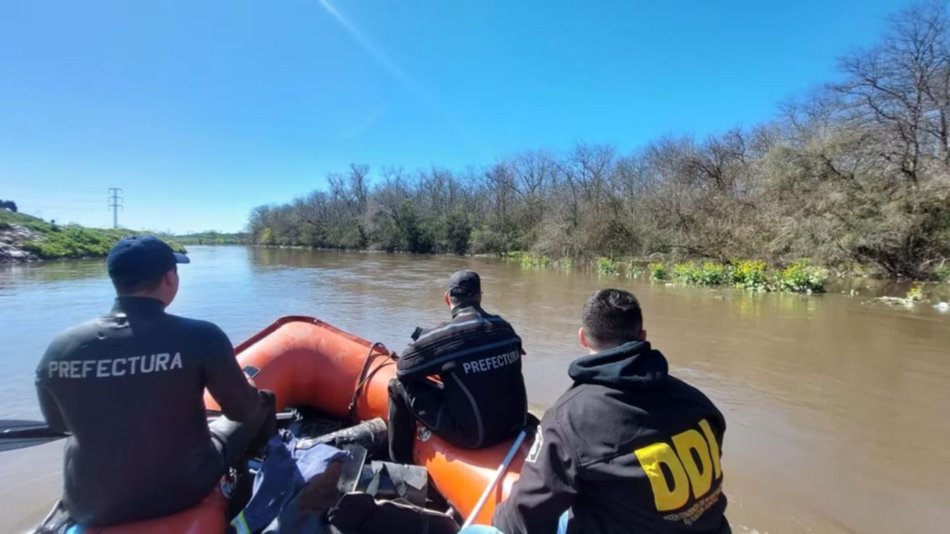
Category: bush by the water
[538,261]
[799,277]
[750,274]
[615,267]
[531,261]
[916,293]
[707,274]
[658,271]
[607,266]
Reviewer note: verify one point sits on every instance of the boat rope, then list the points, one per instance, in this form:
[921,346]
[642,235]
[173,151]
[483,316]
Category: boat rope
[366,376]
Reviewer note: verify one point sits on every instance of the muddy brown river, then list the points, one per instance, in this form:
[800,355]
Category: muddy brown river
[838,411]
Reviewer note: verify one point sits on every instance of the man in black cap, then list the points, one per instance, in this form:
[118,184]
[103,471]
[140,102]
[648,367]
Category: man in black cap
[480,399]
[128,387]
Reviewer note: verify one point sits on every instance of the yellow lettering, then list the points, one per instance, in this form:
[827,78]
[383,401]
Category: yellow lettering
[713,446]
[700,476]
[652,457]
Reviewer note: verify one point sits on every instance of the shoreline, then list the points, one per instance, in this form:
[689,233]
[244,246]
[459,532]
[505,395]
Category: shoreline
[691,271]
[19,242]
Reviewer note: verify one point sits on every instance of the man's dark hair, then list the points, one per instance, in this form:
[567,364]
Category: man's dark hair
[612,317]
[131,287]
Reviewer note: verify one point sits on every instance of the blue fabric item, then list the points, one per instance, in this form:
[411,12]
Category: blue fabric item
[284,471]
[562,523]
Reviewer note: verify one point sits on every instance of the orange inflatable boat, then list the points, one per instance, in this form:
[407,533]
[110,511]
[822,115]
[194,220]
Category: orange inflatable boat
[307,362]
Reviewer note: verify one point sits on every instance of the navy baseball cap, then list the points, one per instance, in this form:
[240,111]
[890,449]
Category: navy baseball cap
[140,258]
[464,284]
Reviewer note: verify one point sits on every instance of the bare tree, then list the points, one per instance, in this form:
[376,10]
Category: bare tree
[899,90]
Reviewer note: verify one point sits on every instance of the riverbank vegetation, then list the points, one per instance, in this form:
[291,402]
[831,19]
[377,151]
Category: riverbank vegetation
[855,174]
[756,275]
[39,239]
[212,238]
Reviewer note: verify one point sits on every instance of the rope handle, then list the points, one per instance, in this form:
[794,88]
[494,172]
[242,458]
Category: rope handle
[365,376]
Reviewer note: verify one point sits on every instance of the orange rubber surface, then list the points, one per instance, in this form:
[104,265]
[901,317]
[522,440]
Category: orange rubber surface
[210,515]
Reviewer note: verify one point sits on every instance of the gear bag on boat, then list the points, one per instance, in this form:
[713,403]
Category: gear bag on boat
[286,469]
[299,485]
[361,513]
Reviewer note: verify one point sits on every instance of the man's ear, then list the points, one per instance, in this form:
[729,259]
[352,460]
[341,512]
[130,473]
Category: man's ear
[582,337]
[643,335]
[448,301]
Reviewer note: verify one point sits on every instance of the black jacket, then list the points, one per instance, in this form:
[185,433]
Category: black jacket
[478,358]
[628,449]
[129,387]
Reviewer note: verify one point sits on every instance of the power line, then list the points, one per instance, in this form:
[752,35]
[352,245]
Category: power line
[115,203]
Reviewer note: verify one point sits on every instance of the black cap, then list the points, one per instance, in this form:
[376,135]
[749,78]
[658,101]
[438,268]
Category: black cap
[464,284]
[139,258]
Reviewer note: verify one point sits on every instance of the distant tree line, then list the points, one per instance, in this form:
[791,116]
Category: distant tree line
[212,238]
[856,172]
[8,205]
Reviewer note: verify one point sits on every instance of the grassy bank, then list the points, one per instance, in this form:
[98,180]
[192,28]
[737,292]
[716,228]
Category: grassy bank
[49,241]
[755,275]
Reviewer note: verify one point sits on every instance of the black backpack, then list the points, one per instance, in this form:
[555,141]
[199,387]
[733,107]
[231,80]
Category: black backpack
[361,513]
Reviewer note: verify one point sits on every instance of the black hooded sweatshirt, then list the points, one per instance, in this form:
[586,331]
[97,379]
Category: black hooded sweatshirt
[627,449]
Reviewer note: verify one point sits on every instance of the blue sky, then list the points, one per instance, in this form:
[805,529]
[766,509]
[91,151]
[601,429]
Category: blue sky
[202,110]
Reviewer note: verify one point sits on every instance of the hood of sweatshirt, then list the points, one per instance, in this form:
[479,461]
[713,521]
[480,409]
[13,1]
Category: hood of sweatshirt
[632,365]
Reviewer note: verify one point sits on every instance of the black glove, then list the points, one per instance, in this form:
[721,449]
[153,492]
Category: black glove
[269,426]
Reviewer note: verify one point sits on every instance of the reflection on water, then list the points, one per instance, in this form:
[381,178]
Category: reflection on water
[50,272]
[837,409]
[866,288]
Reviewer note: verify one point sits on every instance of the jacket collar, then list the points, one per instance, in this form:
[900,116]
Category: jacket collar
[138,306]
[467,308]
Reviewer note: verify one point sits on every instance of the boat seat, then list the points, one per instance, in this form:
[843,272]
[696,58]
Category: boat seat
[208,516]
